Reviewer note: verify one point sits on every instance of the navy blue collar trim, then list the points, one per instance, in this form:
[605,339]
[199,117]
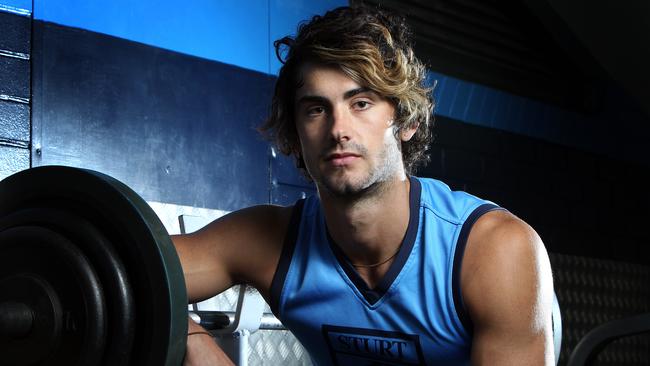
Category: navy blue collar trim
[463,315]
[288,248]
[373,295]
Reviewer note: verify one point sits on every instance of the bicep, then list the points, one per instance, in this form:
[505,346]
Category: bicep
[508,290]
[204,269]
[236,248]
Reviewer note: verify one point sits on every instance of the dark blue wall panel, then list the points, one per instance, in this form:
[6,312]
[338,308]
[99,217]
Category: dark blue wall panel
[12,160]
[15,34]
[14,122]
[288,184]
[15,31]
[15,40]
[176,128]
[14,77]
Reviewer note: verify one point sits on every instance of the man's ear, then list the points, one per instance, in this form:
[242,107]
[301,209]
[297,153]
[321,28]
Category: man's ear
[407,133]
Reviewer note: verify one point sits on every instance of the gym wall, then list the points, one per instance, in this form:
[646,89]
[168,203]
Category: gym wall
[15,33]
[169,92]
[165,96]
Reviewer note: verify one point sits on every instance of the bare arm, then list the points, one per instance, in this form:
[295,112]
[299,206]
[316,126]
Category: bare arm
[202,350]
[241,247]
[508,291]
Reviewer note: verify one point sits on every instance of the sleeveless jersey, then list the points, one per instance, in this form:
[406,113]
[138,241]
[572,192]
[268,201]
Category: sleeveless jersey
[414,316]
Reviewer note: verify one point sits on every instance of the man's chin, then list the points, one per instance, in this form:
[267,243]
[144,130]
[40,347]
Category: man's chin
[344,186]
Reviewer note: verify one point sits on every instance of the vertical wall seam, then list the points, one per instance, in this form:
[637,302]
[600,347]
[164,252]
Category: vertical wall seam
[31,85]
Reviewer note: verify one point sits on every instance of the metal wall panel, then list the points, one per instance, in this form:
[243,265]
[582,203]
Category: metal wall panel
[12,160]
[14,121]
[15,76]
[173,127]
[287,183]
[15,32]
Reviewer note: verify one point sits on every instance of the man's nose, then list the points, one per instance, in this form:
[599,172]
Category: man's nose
[340,124]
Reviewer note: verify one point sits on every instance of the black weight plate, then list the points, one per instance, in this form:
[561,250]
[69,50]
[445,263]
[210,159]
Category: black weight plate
[120,305]
[43,254]
[137,235]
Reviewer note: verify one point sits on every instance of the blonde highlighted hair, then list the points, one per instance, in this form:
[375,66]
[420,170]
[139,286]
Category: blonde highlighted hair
[371,47]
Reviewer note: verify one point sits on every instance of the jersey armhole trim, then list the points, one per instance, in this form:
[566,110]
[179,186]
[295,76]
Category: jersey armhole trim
[286,255]
[461,311]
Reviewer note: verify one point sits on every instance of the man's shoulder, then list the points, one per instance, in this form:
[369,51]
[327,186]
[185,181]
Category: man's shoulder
[266,217]
[260,225]
[501,244]
[501,230]
[452,205]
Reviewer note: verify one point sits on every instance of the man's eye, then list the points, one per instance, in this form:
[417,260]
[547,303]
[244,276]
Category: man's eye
[315,111]
[361,104]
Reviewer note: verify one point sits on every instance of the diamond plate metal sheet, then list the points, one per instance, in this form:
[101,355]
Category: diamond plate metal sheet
[594,291]
[276,347]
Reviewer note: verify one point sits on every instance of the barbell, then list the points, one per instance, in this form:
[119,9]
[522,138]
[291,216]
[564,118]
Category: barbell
[88,274]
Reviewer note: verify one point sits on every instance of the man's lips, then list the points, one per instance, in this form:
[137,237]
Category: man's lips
[341,159]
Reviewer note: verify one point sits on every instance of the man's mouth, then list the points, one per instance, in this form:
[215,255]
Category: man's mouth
[341,159]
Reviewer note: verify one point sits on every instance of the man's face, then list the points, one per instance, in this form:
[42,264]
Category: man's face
[346,132]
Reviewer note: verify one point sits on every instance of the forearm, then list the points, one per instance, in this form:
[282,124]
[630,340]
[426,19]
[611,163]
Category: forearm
[202,350]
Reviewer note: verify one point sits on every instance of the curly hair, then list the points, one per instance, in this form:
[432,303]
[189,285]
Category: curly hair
[373,48]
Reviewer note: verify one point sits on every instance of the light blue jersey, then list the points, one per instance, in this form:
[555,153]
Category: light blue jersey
[414,316]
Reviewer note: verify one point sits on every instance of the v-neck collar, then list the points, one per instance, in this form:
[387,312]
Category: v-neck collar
[373,295]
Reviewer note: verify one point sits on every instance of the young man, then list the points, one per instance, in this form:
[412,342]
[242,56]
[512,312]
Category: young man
[380,268]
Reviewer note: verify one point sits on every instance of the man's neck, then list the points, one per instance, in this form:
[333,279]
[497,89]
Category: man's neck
[369,228]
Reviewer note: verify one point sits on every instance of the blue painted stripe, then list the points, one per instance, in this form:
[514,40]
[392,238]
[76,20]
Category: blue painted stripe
[484,106]
[20,7]
[233,32]
[236,32]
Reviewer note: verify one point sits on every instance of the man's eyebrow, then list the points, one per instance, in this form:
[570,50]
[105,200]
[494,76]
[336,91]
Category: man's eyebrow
[311,99]
[350,93]
[318,99]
